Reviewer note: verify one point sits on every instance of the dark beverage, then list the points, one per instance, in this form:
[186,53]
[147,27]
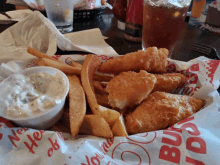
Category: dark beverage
[162,25]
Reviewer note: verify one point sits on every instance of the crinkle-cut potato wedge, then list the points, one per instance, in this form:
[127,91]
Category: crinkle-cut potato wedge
[39,54]
[76,64]
[119,128]
[88,69]
[95,125]
[77,105]
[63,67]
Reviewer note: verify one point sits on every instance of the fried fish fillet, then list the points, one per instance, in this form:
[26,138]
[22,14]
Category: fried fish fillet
[160,110]
[168,82]
[129,88]
[152,60]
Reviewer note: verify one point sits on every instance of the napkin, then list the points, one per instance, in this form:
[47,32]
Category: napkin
[41,34]
[194,140]
[16,15]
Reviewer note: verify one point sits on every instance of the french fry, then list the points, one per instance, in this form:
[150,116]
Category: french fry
[109,115]
[88,69]
[98,87]
[77,105]
[39,54]
[95,125]
[119,128]
[98,77]
[104,84]
[76,64]
[63,67]
[67,69]
[102,77]
[40,62]
[102,99]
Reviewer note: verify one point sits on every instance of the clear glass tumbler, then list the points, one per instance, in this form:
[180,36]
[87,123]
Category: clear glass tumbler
[163,20]
[60,12]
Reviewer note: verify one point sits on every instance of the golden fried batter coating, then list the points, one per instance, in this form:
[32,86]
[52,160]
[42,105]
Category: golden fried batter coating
[152,60]
[168,82]
[129,88]
[160,110]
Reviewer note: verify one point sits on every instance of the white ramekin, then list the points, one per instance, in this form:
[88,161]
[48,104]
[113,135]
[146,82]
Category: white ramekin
[48,118]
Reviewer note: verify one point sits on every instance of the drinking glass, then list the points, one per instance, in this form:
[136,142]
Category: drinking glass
[60,12]
[163,20]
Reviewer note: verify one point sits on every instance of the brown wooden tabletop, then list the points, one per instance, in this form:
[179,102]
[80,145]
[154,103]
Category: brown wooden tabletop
[182,51]
[108,26]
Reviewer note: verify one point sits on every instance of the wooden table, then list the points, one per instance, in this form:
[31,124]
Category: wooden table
[108,25]
[182,51]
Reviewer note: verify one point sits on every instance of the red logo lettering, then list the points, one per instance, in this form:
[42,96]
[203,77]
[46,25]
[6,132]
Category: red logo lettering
[186,120]
[1,135]
[57,56]
[21,131]
[12,138]
[194,67]
[87,159]
[171,68]
[193,127]
[193,78]
[50,152]
[95,160]
[170,154]
[37,136]
[196,140]
[55,146]
[6,122]
[104,147]
[111,163]
[193,161]
[33,143]
[176,142]
[172,128]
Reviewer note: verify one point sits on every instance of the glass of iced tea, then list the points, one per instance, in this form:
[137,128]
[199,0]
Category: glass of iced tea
[163,21]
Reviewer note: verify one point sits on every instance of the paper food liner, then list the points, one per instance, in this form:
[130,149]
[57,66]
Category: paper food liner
[41,34]
[194,140]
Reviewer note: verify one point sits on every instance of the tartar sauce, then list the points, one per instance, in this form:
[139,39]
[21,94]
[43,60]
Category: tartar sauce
[32,93]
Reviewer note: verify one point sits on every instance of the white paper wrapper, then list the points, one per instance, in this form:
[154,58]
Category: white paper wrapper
[41,34]
[16,15]
[194,140]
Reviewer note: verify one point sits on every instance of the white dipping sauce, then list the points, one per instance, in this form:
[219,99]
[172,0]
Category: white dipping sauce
[32,93]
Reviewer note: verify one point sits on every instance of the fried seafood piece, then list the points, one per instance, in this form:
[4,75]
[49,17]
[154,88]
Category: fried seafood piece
[152,60]
[168,82]
[129,88]
[160,110]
